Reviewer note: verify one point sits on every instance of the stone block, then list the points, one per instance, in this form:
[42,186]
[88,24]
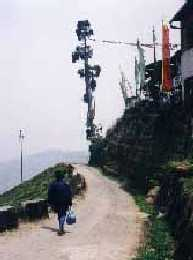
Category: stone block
[8,218]
[35,209]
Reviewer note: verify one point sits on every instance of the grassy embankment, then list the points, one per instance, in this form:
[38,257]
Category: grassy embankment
[36,187]
[159,243]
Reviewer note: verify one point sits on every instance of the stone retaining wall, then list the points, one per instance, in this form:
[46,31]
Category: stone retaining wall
[144,138]
[176,201]
[29,210]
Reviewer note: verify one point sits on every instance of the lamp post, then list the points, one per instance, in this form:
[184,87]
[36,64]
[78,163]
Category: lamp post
[21,138]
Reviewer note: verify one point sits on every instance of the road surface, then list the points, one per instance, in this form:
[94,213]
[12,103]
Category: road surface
[108,227]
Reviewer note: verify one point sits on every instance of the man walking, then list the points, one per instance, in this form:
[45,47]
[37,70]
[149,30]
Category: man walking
[60,198]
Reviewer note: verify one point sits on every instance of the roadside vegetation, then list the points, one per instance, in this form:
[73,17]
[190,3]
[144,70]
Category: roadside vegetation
[159,242]
[34,188]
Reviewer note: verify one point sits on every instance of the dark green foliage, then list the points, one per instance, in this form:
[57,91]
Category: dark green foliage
[183,171]
[35,188]
[96,152]
[159,244]
[188,186]
[176,166]
[140,201]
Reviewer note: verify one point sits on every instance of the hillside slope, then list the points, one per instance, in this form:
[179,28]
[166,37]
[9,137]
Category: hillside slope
[34,164]
[37,187]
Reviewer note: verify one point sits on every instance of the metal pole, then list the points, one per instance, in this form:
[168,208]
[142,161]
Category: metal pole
[88,87]
[85,60]
[86,76]
[21,137]
[86,65]
[21,162]
[154,47]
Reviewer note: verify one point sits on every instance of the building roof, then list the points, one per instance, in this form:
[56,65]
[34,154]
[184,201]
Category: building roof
[184,11]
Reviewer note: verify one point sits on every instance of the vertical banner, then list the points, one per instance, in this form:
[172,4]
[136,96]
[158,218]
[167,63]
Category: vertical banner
[136,75]
[142,68]
[166,73]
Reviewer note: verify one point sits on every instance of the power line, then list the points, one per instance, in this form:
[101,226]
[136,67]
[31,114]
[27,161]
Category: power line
[173,46]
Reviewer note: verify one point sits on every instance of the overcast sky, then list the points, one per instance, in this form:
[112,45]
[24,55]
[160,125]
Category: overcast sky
[40,89]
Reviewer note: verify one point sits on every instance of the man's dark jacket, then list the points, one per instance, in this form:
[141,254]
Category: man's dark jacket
[59,195]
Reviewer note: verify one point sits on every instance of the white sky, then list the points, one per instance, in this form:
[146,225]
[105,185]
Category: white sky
[40,90]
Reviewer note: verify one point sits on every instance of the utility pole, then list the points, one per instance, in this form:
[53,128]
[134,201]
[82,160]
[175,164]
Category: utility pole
[21,139]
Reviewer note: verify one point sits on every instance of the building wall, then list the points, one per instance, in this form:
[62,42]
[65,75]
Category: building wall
[187,30]
[187,64]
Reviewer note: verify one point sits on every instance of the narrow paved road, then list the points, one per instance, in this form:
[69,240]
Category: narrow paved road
[108,228]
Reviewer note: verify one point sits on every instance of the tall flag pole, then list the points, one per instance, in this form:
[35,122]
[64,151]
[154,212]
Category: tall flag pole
[166,73]
[154,45]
